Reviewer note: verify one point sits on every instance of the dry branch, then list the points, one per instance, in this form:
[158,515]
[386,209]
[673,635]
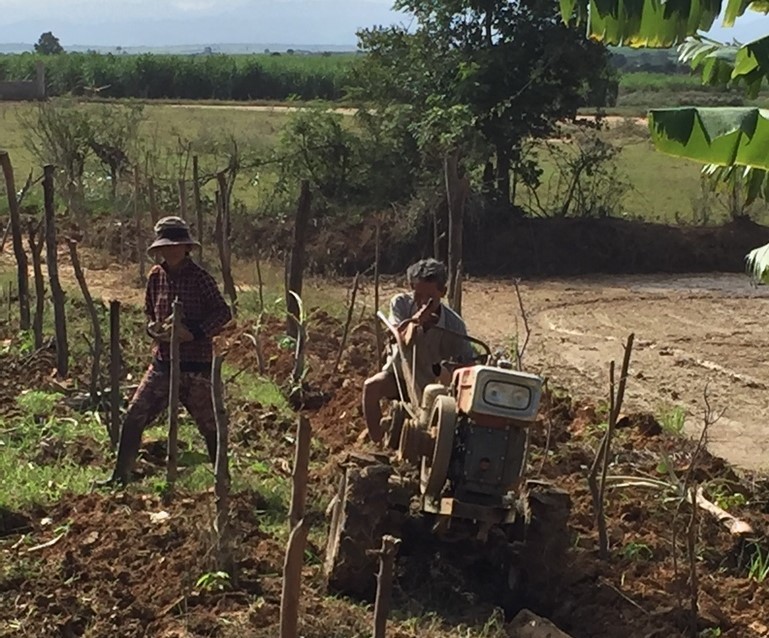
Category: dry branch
[5,236]
[114,371]
[597,491]
[183,199]
[36,249]
[299,476]
[292,581]
[153,201]
[345,334]
[198,204]
[224,558]
[139,219]
[173,397]
[222,233]
[384,584]
[260,284]
[51,255]
[521,349]
[98,344]
[694,590]
[22,276]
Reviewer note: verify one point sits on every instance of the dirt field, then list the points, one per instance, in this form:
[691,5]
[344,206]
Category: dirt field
[691,332]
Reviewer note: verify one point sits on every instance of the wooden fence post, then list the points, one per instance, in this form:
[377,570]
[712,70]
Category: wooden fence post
[224,558]
[52,260]
[292,581]
[384,584]
[198,204]
[292,567]
[299,476]
[295,271]
[223,226]
[139,220]
[173,398]
[183,199]
[114,371]
[95,325]
[18,247]
[153,201]
[36,249]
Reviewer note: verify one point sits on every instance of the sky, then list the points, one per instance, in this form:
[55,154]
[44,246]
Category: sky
[185,22]
[178,22]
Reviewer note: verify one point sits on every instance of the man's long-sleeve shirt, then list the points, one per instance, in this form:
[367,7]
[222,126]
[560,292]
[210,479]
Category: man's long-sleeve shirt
[204,311]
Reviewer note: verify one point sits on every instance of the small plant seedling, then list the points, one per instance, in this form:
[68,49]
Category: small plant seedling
[213,581]
[637,551]
[673,420]
[758,569]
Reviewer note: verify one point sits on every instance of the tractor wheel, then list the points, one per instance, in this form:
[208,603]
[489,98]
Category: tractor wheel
[442,427]
[547,541]
[358,521]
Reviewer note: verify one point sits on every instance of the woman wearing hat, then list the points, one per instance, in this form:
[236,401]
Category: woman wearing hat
[204,314]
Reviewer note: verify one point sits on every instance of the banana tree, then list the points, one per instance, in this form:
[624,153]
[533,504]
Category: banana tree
[733,143]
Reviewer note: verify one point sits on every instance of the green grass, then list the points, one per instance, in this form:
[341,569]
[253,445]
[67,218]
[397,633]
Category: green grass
[161,131]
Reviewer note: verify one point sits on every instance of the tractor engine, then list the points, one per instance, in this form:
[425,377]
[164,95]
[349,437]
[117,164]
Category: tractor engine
[494,407]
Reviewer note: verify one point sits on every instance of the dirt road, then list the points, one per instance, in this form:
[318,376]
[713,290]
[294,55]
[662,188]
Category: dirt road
[691,332]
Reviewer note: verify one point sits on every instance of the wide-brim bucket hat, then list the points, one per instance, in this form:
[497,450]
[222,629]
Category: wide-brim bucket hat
[171,231]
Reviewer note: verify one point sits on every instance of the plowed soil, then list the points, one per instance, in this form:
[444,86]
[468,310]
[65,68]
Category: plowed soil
[126,565]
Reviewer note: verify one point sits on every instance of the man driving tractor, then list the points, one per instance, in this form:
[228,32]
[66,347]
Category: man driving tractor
[416,315]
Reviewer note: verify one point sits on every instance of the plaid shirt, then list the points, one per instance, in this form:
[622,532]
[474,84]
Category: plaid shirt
[204,311]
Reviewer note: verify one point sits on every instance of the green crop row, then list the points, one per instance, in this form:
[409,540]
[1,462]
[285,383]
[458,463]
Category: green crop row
[188,77]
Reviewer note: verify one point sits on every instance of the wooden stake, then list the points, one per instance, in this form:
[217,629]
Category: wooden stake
[292,581]
[384,584]
[295,271]
[114,371]
[153,203]
[173,398]
[347,323]
[36,249]
[183,199]
[224,559]
[22,275]
[139,220]
[98,345]
[604,451]
[198,204]
[51,254]
[299,476]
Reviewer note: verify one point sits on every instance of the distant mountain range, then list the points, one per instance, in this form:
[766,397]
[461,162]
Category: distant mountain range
[191,49]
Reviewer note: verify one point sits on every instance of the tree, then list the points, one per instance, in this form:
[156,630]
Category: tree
[514,65]
[733,142]
[48,44]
